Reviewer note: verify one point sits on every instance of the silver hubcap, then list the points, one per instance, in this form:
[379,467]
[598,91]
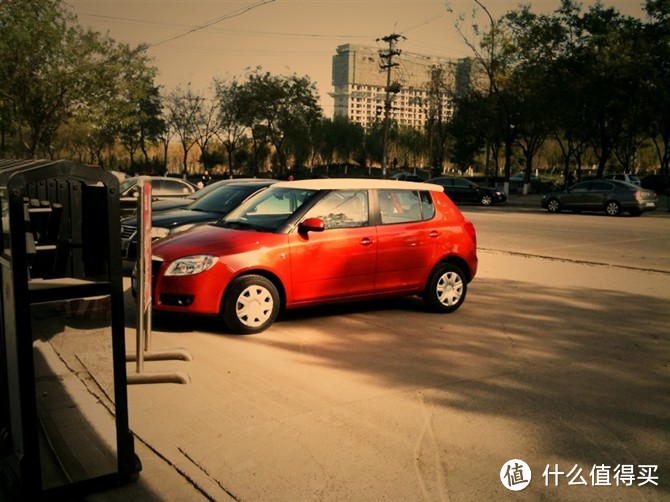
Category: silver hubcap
[612,209]
[254,306]
[450,289]
[553,205]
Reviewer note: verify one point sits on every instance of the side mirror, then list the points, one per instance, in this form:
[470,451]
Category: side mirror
[311,225]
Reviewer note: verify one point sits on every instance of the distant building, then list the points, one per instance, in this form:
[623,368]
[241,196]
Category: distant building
[425,86]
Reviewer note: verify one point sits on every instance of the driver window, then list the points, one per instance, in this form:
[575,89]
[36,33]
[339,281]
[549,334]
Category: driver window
[342,209]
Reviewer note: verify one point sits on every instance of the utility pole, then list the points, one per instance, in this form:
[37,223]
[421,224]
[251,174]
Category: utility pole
[387,64]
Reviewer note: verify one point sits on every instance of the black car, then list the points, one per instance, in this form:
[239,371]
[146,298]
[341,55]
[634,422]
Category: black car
[463,191]
[407,177]
[162,187]
[611,196]
[179,202]
[208,209]
[659,183]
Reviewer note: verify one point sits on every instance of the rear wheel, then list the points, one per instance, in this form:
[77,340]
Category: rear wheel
[446,288]
[612,208]
[553,206]
[251,304]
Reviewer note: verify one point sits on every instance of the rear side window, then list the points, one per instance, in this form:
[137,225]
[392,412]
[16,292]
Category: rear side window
[427,206]
[403,206]
[169,187]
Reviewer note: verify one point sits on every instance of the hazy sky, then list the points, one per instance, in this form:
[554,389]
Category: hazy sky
[194,41]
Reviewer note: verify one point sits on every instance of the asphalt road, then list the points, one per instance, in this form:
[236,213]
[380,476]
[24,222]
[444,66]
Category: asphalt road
[560,357]
[635,242]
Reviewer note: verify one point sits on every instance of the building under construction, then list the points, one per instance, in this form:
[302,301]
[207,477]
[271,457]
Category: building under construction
[422,87]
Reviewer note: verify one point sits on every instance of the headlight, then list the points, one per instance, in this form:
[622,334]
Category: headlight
[159,233]
[191,265]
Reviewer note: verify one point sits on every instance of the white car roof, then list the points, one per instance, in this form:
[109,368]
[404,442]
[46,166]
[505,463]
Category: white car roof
[358,184]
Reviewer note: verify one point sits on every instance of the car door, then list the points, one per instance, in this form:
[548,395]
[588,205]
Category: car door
[340,261]
[406,239]
[576,197]
[467,192]
[598,193]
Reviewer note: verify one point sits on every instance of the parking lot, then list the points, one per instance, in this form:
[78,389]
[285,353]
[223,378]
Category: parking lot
[560,363]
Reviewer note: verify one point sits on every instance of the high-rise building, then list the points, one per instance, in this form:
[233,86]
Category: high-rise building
[422,87]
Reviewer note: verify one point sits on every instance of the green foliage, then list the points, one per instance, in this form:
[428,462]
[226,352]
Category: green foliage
[282,110]
[53,72]
[592,80]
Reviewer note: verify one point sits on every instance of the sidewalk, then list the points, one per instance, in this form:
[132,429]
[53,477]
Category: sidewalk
[73,374]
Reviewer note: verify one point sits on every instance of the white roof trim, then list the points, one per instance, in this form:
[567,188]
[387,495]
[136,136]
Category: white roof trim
[358,184]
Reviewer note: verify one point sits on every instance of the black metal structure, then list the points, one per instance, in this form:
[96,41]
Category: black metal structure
[60,241]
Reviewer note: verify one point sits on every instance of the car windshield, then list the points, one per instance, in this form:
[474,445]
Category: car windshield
[126,184]
[223,199]
[268,210]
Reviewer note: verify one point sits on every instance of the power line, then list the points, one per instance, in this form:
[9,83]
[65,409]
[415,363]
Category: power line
[225,17]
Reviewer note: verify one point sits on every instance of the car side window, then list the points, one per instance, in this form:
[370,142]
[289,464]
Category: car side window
[427,206]
[157,187]
[403,206]
[601,186]
[342,209]
[581,187]
[461,183]
[169,187]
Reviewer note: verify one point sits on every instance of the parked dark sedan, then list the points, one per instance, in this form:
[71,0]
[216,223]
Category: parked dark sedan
[611,196]
[180,202]
[208,209]
[162,187]
[462,190]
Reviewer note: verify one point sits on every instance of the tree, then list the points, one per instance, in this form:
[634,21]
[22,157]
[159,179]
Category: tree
[50,68]
[134,112]
[230,118]
[657,36]
[604,42]
[275,105]
[467,127]
[184,107]
[537,42]
[207,122]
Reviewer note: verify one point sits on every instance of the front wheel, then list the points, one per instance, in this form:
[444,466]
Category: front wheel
[446,288]
[486,200]
[251,304]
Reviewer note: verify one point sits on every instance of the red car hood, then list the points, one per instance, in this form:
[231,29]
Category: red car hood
[213,240]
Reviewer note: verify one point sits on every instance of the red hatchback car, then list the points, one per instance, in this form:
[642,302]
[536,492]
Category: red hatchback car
[303,243]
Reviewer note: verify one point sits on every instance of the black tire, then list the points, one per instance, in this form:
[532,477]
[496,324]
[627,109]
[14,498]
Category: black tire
[553,206]
[446,288]
[250,305]
[612,208]
[486,200]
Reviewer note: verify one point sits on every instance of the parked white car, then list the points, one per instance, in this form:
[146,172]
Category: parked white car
[629,178]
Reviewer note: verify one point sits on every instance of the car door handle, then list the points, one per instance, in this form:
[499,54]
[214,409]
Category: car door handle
[434,234]
[366,241]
